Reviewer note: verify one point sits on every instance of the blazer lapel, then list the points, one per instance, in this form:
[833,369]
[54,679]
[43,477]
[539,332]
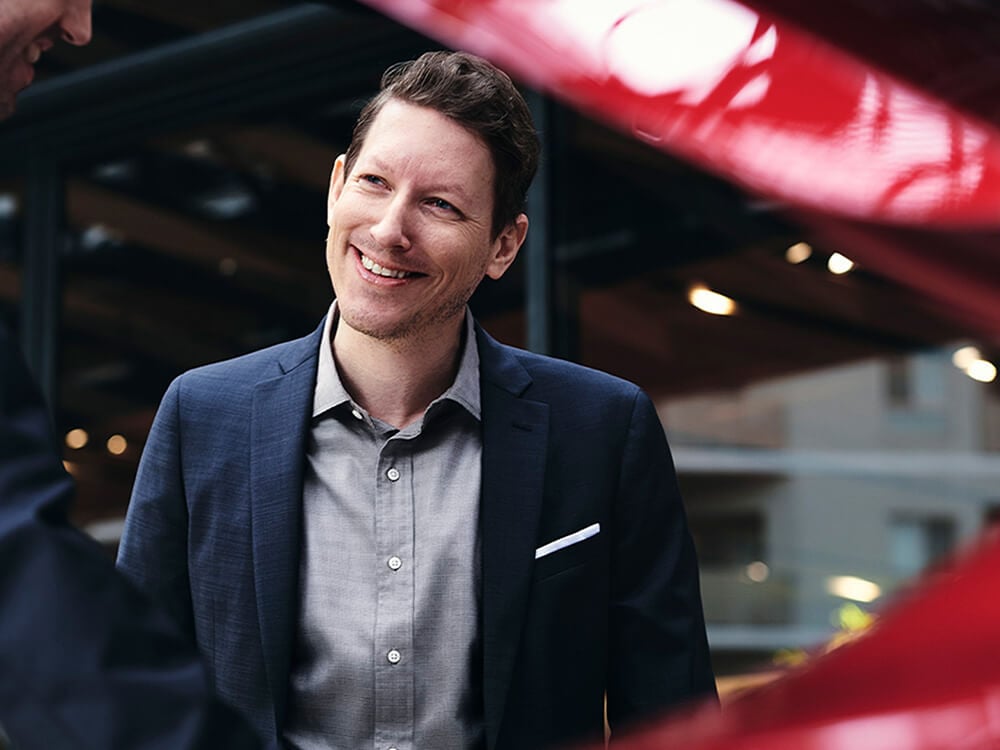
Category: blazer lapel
[515,434]
[279,426]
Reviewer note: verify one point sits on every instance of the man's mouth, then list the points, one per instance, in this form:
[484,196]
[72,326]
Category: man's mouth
[33,52]
[378,270]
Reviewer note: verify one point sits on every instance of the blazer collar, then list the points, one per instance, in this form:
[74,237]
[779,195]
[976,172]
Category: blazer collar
[515,436]
[279,426]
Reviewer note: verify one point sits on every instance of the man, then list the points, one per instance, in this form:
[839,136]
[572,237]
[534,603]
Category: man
[395,532]
[85,661]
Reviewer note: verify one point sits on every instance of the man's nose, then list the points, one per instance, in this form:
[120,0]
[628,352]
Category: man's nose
[390,231]
[75,25]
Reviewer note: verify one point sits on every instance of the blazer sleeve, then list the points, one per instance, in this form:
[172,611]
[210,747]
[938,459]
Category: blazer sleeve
[658,649]
[86,660]
[153,548]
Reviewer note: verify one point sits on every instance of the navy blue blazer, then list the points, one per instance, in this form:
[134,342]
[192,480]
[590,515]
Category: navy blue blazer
[85,660]
[214,531]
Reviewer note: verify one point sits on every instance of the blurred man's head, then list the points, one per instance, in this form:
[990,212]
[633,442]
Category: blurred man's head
[27,29]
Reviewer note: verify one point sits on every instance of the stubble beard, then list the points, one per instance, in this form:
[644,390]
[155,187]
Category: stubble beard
[421,326]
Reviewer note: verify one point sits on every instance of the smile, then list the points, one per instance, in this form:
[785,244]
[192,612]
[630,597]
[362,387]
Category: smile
[388,273]
[33,52]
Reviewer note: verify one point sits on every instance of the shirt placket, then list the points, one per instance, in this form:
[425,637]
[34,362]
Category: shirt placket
[394,523]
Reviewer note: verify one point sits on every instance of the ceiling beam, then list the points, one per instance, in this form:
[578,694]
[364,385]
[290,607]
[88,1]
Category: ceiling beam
[300,53]
[270,266]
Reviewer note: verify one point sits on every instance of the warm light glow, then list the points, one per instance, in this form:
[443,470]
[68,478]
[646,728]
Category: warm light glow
[117,445]
[852,587]
[851,618]
[982,370]
[711,302]
[799,252]
[758,571]
[77,438]
[70,468]
[839,264]
[965,356]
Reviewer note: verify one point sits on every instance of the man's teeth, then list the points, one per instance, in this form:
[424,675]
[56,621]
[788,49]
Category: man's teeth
[377,269]
[32,53]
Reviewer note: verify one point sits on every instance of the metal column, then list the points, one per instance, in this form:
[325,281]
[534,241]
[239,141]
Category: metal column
[552,299]
[539,271]
[40,282]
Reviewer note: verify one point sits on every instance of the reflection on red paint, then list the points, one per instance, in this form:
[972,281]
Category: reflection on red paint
[745,95]
[926,676]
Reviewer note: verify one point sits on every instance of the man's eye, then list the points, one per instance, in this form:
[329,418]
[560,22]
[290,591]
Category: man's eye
[442,204]
[372,179]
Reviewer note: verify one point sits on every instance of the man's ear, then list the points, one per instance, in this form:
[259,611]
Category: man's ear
[336,187]
[506,245]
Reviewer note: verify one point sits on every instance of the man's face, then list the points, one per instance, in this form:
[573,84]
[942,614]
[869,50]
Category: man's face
[410,226]
[27,29]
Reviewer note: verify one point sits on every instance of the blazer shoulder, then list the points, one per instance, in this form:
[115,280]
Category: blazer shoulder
[549,375]
[245,371]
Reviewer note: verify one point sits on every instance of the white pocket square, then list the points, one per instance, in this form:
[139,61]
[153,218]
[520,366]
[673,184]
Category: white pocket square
[565,541]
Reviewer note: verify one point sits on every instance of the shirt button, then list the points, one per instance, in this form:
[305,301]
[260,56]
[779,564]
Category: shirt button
[395,563]
[356,414]
[393,474]
[393,656]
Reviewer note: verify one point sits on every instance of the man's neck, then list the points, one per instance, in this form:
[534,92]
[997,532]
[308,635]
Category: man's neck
[396,381]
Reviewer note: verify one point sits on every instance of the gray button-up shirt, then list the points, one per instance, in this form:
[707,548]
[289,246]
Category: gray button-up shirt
[388,650]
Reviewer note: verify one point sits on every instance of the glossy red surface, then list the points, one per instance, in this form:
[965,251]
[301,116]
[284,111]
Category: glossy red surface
[749,96]
[926,676]
[805,114]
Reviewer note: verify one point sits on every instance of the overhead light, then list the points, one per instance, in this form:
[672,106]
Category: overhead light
[758,572]
[115,171]
[854,588]
[799,252]
[839,264]
[200,149]
[970,360]
[982,370]
[227,202]
[711,302]
[965,356]
[77,438]
[117,445]
[8,205]
[99,235]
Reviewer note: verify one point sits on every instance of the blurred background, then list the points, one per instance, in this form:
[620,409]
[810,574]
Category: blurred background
[162,205]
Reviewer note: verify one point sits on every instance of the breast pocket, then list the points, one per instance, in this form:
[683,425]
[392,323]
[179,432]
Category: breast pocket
[566,553]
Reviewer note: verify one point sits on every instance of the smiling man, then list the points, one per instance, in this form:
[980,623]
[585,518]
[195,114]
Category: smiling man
[28,28]
[397,532]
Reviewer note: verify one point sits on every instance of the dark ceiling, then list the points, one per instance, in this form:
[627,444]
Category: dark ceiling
[195,139]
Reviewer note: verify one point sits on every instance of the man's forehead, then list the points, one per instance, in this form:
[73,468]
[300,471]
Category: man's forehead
[392,147]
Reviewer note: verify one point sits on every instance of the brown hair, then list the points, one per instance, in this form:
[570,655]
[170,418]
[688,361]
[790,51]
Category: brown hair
[481,98]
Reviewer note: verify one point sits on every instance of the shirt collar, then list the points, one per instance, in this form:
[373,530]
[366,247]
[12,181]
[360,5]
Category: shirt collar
[330,392]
